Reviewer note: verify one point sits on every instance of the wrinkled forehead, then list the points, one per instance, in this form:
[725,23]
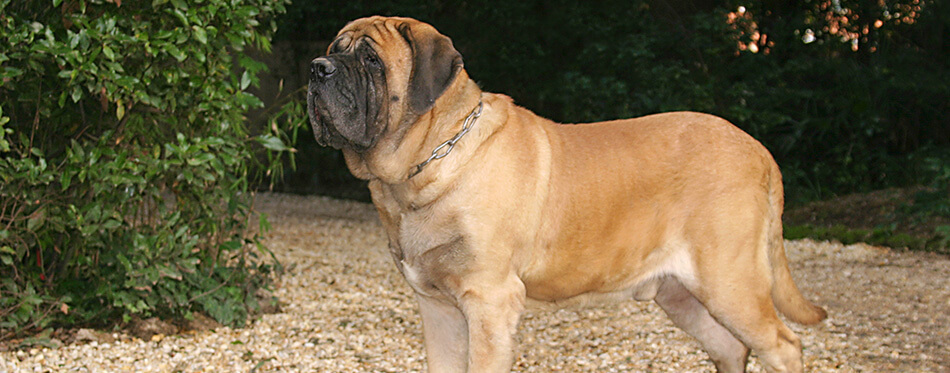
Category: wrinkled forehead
[375,30]
[379,31]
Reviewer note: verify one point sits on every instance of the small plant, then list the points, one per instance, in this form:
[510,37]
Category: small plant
[125,164]
[935,200]
[883,236]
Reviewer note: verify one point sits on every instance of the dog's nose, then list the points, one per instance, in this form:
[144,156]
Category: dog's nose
[322,68]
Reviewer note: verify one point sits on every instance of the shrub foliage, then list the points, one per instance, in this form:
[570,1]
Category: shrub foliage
[125,163]
[848,95]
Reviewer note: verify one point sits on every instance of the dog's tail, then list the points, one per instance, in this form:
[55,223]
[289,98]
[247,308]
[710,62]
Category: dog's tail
[785,294]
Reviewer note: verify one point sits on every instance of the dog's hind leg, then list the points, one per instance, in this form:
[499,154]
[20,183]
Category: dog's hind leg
[725,350]
[740,299]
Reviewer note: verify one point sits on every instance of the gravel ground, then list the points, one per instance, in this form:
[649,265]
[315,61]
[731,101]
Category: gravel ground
[346,309]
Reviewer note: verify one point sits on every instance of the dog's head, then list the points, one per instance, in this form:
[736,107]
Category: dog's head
[379,73]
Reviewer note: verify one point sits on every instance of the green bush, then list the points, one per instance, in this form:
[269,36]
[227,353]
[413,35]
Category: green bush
[126,168]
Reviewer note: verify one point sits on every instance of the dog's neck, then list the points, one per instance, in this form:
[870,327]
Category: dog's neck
[391,159]
[446,146]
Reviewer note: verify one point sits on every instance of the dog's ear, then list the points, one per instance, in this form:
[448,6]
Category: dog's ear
[435,64]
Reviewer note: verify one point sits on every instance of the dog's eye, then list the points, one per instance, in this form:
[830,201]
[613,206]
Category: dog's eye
[371,60]
[336,47]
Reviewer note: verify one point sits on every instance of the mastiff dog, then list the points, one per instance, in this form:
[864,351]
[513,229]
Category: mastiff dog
[490,208]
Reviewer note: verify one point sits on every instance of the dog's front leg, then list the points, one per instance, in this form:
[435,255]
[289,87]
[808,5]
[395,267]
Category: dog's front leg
[492,310]
[446,335]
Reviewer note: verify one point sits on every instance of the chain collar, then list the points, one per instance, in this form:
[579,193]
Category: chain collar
[447,146]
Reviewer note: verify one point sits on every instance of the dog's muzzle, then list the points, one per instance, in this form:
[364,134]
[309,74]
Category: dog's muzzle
[321,70]
[343,102]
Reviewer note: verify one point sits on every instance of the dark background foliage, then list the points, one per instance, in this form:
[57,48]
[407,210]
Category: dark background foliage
[859,106]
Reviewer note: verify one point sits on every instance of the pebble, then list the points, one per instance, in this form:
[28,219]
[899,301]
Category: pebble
[348,310]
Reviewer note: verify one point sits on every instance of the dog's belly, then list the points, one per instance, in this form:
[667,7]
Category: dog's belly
[597,281]
[642,291]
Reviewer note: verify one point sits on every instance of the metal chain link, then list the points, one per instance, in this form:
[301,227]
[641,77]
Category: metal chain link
[449,144]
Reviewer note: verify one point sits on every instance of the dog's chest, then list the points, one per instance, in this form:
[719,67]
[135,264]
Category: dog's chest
[427,243]
[427,248]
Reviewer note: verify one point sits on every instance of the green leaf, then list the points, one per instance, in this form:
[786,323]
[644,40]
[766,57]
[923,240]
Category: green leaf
[163,34]
[108,52]
[273,143]
[10,72]
[200,34]
[120,109]
[76,93]
[179,14]
[73,39]
[111,224]
[126,81]
[124,261]
[166,271]
[65,180]
[7,259]
[205,157]
[175,52]
[263,223]
[36,220]
[245,79]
